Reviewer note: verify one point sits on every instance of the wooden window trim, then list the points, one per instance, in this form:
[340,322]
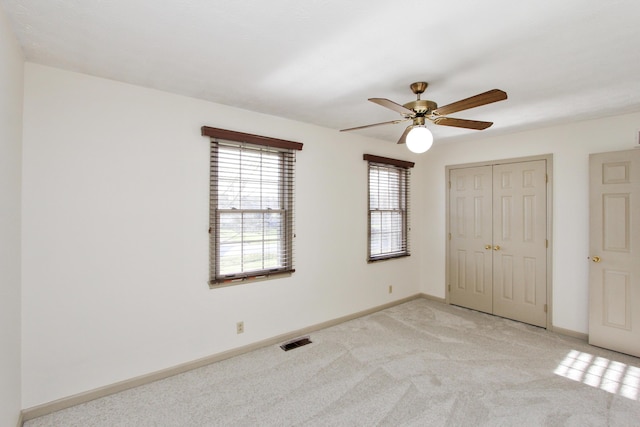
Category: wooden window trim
[231,135]
[388,161]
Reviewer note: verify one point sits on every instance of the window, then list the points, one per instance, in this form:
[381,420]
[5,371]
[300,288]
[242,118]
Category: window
[251,214]
[388,207]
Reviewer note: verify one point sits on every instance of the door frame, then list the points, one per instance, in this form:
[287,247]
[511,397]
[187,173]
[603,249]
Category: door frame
[549,172]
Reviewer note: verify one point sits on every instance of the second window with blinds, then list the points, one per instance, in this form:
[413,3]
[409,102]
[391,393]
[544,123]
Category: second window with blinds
[388,211]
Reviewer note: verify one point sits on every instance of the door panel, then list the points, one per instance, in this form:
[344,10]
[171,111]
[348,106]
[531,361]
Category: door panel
[520,279]
[614,277]
[470,225]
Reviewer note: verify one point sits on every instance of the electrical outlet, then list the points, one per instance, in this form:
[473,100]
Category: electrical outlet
[390,289]
[240,327]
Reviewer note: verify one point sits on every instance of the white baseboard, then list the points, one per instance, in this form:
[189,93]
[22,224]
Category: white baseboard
[569,333]
[432,298]
[67,402]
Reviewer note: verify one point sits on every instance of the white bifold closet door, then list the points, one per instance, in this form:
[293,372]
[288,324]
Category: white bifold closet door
[498,240]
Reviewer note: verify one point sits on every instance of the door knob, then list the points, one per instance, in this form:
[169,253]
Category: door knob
[595,258]
[487,246]
[496,248]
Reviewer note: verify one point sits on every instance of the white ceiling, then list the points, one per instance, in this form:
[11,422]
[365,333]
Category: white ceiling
[318,61]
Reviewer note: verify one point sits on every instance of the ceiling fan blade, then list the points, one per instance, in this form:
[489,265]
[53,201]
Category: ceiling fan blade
[462,123]
[493,95]
[392,106]
[403,138]
[392,122]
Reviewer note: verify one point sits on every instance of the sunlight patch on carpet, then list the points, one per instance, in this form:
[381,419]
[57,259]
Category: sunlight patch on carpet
[600,372]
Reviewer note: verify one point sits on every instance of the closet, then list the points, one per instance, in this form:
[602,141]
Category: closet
[498,238]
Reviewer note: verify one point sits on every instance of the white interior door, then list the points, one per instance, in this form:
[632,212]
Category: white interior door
[520,241]
[470,207]
[614,277]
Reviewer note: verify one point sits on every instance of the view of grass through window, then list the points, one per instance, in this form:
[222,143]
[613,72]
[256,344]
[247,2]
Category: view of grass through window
[250,210]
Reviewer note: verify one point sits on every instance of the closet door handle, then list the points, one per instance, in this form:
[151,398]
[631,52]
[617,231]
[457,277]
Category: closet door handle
[496,248]
[487,246]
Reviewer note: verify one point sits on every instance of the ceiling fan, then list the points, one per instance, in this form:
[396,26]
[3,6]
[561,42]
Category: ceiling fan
[416,135]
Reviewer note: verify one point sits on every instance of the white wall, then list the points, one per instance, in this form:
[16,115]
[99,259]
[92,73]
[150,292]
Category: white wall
[11,88]
[115,249]
[115,206]
[570,145]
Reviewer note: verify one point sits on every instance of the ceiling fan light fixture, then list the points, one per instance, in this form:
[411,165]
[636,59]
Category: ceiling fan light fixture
[419,139]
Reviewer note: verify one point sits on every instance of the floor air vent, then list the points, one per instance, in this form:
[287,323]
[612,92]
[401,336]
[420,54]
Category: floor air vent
[298,342]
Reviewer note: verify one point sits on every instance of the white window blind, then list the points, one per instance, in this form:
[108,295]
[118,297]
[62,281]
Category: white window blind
[251,209]
[388,207]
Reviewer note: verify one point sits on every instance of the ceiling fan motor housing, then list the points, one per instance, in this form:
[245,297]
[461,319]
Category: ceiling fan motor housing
[421,107]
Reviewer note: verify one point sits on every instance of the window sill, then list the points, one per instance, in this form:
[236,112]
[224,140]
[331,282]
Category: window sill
[386,258]
[223,283]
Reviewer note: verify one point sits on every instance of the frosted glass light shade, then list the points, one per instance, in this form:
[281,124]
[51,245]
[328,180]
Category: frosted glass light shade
[419,139]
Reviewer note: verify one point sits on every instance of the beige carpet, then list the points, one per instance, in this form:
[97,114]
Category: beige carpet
[421,363]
